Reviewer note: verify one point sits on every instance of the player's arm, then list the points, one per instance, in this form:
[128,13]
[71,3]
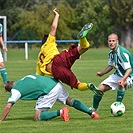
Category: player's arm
[6,111]
[127,66]
[127,73]
[55,23]
[122,81]
[2,44]
[105,71]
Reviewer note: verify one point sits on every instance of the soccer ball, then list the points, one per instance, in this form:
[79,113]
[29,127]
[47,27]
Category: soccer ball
[117,108]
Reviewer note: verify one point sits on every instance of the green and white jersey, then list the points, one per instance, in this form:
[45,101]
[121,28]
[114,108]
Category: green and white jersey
[1,29]
[121,60]
[31,87]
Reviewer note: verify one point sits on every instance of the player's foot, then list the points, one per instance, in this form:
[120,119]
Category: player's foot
[95,116]
[96,90]
[64,114]
[92,109]
[84,31]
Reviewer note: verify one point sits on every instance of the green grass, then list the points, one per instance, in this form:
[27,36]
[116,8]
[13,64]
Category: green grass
[20,118]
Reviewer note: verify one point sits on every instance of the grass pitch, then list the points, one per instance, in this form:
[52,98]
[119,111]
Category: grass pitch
[20,118]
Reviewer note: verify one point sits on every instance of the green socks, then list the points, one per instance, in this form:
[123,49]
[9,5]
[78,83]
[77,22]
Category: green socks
[96,101]
[80,106]
[75,103]
[49,115]
[4,75]
[120,94]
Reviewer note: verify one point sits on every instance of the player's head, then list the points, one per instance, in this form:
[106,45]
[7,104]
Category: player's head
[9,85]
[44,39]
[113,41]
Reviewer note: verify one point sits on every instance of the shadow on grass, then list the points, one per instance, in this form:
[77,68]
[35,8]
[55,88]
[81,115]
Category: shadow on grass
[20,118]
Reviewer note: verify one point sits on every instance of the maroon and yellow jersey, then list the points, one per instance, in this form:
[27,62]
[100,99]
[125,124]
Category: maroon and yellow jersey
[46,54]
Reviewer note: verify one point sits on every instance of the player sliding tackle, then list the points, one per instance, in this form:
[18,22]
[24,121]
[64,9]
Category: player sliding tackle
[58,65]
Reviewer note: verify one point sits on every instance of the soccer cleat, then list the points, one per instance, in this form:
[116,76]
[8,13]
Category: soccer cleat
[84,31]
[95,89]
[64,114]
[95,116]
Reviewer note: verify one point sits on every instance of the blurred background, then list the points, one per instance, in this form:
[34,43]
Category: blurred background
[31,19]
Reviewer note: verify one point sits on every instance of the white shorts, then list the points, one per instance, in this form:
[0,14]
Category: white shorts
[112,81]
[58,93]
[1,57]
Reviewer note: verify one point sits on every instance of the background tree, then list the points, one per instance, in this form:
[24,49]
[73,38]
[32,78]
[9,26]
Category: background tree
[96,12]
[31,19]
[122,15]
[40,19]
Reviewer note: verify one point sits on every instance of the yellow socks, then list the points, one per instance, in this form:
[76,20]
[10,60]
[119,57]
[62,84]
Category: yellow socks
[82,87]
[84,43]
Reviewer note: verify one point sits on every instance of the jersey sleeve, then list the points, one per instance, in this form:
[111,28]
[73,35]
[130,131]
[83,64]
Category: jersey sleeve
[110,59]
[14,96]
[0,29]
[47,53]
[51,39]
[126,61]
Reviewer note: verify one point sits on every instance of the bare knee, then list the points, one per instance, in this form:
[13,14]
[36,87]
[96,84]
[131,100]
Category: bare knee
[68,101]
[104,88]
[2,65]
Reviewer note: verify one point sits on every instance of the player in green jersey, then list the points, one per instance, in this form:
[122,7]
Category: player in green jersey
[46,91]
[2,66]
[121,60]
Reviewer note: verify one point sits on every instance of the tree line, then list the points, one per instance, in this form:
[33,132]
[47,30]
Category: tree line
[31,19]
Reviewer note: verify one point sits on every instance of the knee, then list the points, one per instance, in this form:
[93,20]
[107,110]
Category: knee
[2,65]
[104,88]
[68,101]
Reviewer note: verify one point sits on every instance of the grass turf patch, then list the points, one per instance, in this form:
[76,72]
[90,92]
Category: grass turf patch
[20,118]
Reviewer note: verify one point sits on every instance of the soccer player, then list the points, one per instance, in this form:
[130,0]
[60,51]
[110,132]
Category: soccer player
[51,62]
[2,66]
[121,60]
[47,91]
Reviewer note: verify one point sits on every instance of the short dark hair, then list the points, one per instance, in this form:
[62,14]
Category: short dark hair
[9,85]
[44,39]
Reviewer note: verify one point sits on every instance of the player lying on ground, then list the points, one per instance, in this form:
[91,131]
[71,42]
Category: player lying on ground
[46,91]
[122,78]
[51,62]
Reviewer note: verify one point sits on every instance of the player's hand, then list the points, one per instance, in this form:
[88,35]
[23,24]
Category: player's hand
[5,49]
[99,74]
[121,83]
[55,12]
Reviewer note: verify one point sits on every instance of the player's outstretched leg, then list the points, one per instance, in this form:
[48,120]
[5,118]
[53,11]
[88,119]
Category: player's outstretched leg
[96,90]
[84,30]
